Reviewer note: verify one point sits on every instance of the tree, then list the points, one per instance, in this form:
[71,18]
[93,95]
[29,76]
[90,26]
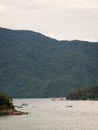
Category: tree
[5,102]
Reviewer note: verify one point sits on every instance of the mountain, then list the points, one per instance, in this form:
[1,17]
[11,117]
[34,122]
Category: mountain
[34,65]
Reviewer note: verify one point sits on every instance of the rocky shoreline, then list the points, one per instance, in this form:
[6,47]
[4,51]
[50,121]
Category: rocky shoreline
[12,112]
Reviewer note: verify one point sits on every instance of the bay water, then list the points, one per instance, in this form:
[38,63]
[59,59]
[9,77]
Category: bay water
[47,114]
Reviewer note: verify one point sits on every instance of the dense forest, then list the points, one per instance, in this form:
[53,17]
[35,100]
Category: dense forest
[89,93]
[34,65]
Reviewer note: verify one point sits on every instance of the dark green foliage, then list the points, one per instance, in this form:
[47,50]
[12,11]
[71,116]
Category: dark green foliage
[5,102]
[84,94]
[33,65]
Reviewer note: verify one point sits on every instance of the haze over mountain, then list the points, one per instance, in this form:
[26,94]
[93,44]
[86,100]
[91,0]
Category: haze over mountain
[34,65]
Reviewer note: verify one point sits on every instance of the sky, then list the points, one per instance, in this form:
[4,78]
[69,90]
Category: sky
[59,19]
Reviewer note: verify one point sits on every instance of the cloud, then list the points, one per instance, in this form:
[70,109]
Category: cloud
[64,19]
[91,38]
[25,5]
[28,5]
[2,7]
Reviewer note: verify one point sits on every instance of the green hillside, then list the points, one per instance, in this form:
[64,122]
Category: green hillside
[33,65]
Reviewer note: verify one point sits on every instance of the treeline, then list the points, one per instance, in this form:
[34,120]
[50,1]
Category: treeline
[89,93]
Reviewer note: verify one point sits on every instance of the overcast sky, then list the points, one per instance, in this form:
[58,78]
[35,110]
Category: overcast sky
[60,19]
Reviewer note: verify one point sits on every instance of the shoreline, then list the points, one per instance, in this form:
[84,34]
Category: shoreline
[12,112]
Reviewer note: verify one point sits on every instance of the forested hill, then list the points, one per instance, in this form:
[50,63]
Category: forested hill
[33,65]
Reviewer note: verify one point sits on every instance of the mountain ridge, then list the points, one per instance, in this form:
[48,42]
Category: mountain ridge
[26,30]
[34,65]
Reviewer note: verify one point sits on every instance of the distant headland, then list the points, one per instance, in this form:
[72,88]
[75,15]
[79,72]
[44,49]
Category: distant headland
[7,107]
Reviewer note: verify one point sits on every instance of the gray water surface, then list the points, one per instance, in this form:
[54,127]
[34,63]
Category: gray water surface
[45,114]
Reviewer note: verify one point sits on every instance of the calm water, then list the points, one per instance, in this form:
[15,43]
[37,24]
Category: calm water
[45,114]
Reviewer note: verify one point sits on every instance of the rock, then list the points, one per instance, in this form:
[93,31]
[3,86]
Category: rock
[53,99]
[19,106]
[15,112]
[24,104]
[12,112]
[69,106]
